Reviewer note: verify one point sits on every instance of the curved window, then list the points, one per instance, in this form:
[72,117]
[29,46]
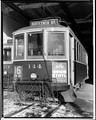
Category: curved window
[56,46]
[19,46]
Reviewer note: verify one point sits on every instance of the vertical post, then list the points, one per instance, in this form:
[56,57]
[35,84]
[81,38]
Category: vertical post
[8,81]
[25,45]
[67,55]
[72,60]
[8,84]
[0,69]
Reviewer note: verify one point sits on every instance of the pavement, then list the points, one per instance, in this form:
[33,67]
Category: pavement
[85,92]
[85,99]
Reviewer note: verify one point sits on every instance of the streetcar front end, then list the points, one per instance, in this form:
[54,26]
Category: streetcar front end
[41,59]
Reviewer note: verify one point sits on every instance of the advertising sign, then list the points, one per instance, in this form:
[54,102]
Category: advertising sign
[59,72]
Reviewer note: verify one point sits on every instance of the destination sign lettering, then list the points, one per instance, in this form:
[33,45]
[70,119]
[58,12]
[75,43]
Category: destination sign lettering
[44,22]
[59,72]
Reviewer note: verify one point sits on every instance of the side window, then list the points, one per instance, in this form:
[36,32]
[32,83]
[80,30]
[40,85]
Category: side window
[81,54]
[7,54]
[84,57]
[19,46]
[77,51]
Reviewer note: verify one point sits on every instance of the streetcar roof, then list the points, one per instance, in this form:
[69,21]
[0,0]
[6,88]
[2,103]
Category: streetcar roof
[38,27]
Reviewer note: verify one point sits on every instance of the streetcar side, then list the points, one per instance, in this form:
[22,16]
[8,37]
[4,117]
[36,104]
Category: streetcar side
[81,63]
[8,65]
[79,60]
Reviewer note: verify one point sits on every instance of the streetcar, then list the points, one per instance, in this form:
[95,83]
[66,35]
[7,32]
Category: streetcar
[48,57]
[8,65]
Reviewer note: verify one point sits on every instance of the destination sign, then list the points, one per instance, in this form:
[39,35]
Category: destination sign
[44,22]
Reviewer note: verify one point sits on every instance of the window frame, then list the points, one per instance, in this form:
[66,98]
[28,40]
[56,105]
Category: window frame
[14,44]
[34,56]
[11,47]
[6,50]
[66,43]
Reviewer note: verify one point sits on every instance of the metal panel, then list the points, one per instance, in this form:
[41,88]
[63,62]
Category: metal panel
[37,67]
[80,72]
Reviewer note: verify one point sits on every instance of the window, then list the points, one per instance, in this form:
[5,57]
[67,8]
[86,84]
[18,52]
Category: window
[81,54]
[77,51]
[75,48]
[7,54]
[84,56]
[35,44]
[19,46]
[56,46]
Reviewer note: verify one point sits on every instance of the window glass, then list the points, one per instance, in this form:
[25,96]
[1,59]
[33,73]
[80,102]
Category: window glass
[83,56]
[86,59]
[56,46]
[19,46]
[79,53]
[77,50]
[7,54]
[35,44]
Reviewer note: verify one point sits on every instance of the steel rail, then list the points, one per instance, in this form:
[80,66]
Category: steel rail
[13,113]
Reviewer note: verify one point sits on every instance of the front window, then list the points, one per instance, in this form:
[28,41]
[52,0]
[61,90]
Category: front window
[56,46]
[19,46]
[35,44]
[7,54]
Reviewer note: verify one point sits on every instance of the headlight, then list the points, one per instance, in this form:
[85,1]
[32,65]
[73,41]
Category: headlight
[33,76]
[5,72]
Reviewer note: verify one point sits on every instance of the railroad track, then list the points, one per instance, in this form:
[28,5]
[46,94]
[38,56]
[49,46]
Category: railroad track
[35,109]
[48,115]
[38,110]
[47,109]
[17,111]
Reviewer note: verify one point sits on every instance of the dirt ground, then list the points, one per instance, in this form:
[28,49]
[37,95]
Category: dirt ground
[81,107]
